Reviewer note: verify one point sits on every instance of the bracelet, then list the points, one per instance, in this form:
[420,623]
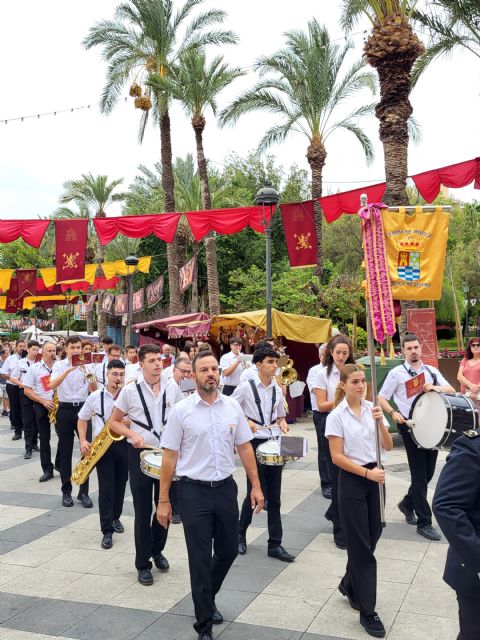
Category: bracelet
[391,412]
[163,501]
[366,472]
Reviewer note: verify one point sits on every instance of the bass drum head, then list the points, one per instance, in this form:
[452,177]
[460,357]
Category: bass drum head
[430,414]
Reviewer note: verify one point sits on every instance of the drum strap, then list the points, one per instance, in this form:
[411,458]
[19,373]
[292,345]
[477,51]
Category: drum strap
[164,406]
[413,374]
[149,426]
[259,404]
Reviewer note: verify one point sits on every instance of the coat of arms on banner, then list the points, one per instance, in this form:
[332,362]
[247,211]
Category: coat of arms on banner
[408,265]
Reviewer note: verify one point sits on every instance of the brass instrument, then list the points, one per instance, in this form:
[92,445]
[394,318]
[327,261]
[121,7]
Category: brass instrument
[98,448]
[89,377]
[288,375]
[52,414]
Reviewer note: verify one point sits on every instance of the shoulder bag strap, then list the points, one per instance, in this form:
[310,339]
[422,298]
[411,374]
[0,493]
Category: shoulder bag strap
[257,401]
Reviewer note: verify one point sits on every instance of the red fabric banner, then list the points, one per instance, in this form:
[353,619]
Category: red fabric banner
[454,176]
[154,291]
[138,298]
[227,221]
[163,225]
[71,243]
[121,304]
[186,275]
[349,201]
[52,291]
[300,233]
[14,302]
[27,282]
[31,231]
[100,283]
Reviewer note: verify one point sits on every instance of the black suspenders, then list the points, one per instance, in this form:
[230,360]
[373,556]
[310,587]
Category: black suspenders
[149,425]
[259,404]
[414,374]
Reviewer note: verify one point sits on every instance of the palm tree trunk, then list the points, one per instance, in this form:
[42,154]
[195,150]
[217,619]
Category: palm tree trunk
[198,124]
[316,156]
[101,315]
[194,299]
[168,184]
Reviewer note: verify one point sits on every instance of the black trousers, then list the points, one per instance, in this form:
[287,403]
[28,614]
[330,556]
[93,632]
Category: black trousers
[208,514]
[112,472]
[468,617]
[44,431]
[13,393]
[332,512]
[228,389]
[319,420]
[66,429]
[150,536]
[28,420]
[360,513]
[422,467]
[271,482]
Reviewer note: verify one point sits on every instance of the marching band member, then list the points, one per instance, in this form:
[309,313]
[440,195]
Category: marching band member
[112,468]
[262,398]
[28,418]
[114,352]
[351,436]
[421,461]
[11,369]
[147,405]
[132,366]
[199,442]
[338,353]
[230,366]
[37,388]
[72,391]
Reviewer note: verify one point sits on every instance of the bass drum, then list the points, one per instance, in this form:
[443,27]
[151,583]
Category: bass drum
[439,418]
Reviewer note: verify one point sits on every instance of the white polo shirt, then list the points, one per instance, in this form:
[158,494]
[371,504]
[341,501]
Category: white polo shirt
[11,367]
[226,361]
[129,402]
[74,388]
[205,435]
[33,379]
[394,385]
[312,383]
[358,433]
[92,409]
[244,396]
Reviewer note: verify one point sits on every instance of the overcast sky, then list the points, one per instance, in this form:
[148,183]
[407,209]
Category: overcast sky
[45,68]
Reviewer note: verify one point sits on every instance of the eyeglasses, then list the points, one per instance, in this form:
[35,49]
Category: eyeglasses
[183,370]
[475,344]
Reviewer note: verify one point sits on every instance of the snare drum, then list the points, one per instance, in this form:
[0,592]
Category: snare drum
[151,463]
[268,453]
[439,418]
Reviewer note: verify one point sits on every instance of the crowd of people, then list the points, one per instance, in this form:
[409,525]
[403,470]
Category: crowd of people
[155,398]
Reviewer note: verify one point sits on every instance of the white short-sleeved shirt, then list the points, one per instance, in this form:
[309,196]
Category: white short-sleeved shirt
[394,385]
[92,409]
[312,383]
[74,388]
[226,361]
[129,402]
[11,367]
[167,374]
[244,396]
[100,371]
[25,365]
[328,382]
[205,435]
[132,371]
[358,433]
[250,373]
[33,379]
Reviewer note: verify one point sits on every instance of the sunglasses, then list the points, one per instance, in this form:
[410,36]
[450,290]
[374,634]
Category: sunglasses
[475,344]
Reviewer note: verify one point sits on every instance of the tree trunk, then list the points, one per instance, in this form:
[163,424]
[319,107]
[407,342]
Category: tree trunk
[198,124]
[168,184]
[101,315]
[316,156]
[194,299]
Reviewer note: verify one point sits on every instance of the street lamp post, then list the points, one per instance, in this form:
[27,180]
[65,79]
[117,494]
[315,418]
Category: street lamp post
[68,293]
[268,197]
[131,262]
[466,291]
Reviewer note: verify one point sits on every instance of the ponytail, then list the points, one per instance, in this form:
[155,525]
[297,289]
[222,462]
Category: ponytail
[347,370]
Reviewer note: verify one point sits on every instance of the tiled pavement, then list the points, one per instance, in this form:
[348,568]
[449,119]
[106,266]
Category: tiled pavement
[57,583]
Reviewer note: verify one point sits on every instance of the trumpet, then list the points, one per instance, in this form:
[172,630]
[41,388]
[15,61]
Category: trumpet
[89,377]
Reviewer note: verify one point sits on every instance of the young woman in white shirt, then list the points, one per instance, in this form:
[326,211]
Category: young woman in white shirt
[350,431]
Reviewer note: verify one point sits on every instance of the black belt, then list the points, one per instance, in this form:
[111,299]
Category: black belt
[69,405]
[207,483]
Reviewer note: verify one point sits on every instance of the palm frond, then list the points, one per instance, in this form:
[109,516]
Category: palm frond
[365,142]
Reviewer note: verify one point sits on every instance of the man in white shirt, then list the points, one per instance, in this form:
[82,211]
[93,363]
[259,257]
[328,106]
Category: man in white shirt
[168,352]
[72,391]
[132,366]
[262,403]
[147,403]
[199,440]
[28,418]
[112,468]
[114,352]
[231,366]
[37,388]
[11,370]
[414,505]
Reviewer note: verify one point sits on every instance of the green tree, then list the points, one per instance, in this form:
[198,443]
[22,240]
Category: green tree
[147,37]
[304,84]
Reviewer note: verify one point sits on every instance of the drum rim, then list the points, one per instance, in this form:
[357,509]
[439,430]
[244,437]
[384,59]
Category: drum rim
[448,429]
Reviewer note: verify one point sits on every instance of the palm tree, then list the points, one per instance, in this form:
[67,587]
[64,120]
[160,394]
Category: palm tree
[92,195]
[144,40]
[302,84]
[196,84]
[392,48]
[452,24]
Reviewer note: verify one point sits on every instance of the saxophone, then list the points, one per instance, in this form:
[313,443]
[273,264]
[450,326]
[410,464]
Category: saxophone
[52,414]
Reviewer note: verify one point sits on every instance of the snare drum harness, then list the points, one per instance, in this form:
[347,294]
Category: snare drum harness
[259,405]
[414,374]
[149,426]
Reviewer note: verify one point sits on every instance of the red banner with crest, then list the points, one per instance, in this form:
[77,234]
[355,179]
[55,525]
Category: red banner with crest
[300,233]
[71,243]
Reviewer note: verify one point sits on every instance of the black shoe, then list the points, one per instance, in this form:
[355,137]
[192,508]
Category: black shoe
[145,577]
[85,500]
[265,505]
[4,413]
[429,532]
[348,595]
[176,519]
[340,543]
[28,454]
[47,475]
[327,515]
[410,516]
[117,526]
[327,492]
[217,617]
[57,468]
[242,548]
[206,635]
[36,448]
[161,562]
[281,554]
[107,542]
[67,500]
[16,436]
[372,625]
